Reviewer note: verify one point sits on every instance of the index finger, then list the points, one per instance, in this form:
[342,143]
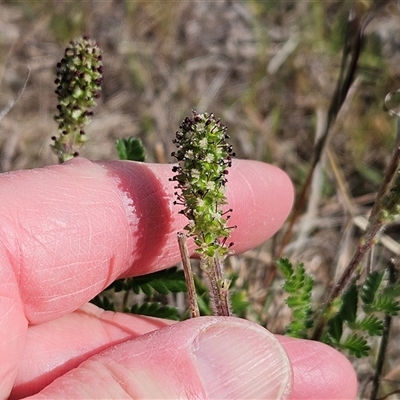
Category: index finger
[71,230]
[68,231]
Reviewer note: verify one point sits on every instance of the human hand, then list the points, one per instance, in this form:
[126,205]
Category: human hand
[68,231]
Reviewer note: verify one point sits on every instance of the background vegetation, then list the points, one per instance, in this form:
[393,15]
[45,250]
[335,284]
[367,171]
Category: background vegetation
[268,69]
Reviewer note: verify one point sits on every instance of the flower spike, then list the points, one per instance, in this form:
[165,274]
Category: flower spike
[204,156]
[78,83]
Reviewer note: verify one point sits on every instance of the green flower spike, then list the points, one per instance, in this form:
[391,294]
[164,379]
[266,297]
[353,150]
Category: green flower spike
[78,83]
[204,157]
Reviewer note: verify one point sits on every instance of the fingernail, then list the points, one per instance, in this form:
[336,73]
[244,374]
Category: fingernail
[239,360]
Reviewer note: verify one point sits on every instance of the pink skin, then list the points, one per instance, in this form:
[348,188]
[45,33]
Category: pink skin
[68,231]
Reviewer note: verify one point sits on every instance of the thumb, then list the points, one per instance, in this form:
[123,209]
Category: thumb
[207,357]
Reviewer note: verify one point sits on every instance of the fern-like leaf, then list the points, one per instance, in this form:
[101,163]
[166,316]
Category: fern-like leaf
[130,149]
[103,302]
[370,288]
[119,285]
[298,284]
[356,345]
[371,324]
[392,290]
[335,329]
[239,302]
[203,299]
[285,266]
[169,280]
[155,310]
[386,304]
[348,310]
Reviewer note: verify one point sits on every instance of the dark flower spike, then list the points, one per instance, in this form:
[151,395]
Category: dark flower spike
[79,77]
[204,156]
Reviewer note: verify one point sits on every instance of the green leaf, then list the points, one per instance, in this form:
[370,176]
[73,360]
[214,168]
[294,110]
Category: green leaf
[239,302]
[285,266]
[335,328]
[103,302]
[297,281]
[356,345]
[392,290]
[386,304]
[299,285]
[155,310]
[119,285]
[144,286]
[372,324]
[169,280]
[204,305]
[371,286]
[130,149]
[203,299]
[298,328]
[348,311]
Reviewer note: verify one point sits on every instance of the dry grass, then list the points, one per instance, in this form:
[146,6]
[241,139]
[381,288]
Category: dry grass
[268,69]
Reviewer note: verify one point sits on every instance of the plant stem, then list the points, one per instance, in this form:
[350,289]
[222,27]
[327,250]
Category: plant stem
[365,245]
[11,103]
[349,64]
[218,286]
[385,208]
[384,343]
[194,307]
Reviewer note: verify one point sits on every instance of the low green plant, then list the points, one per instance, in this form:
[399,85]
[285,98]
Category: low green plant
[298,285]
[154,286]
[353,319]
[363,310]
